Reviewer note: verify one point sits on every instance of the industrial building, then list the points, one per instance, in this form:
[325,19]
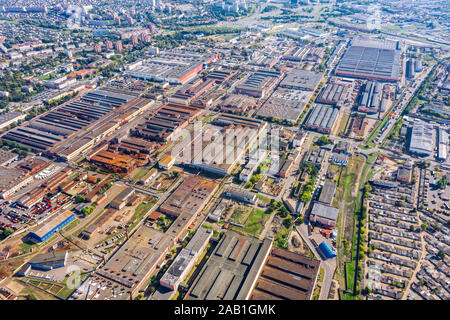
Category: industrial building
[241,195]
[149,176]
[232,269]
[442,138]
[259,83]
[11,180]
[358,125]
[189,197]
[73,128]
[371,59]
[113,162]
[324,215]
[186,259]
[165,122]
[285,104]
[340,159]
[50,260]
[133,146]
[57,222]
[321,118]
[132,265]
[238,103]
[306,53]
[120,200]
[327,193]
[370,97]
[175,66]
[166,162]
[98,224]
[7,157]
[301,80]
[9,118]
[421,139]
[286,276]
[219,146]
[44,262]
[314,157]
[333,93]
[191,90]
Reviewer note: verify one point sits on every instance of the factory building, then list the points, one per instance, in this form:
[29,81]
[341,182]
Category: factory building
[174,66]
[442,138]
[57,222]
[421,139]
[324,215]
[241,195]
[286,276]
[301,80]
[332,93]
[74,127]
[232,270]
[121,199]
[149,176]
[186,259]
[114,162]
[12,180]
[190,196]
[166,122]
[321,118]
[220,145]
[370,98]
[259,84]
[371,59]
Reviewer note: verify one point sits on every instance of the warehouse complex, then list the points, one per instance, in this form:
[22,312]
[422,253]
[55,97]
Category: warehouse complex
[74,127]
[259,83]
[421,139]
[286,276]
[285,104]
[370,99]
[221,144]
[145,250]
[174,66]
[321,118]
[301,80]
[165,122]
[333,93]
[232,269]
[371,59]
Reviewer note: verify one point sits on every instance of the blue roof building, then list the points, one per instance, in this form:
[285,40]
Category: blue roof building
[48,229]
[326,250]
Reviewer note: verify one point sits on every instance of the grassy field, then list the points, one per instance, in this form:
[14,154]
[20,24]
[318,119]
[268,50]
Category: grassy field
[253,222]
[346,200]
[140,174]
[140,212]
